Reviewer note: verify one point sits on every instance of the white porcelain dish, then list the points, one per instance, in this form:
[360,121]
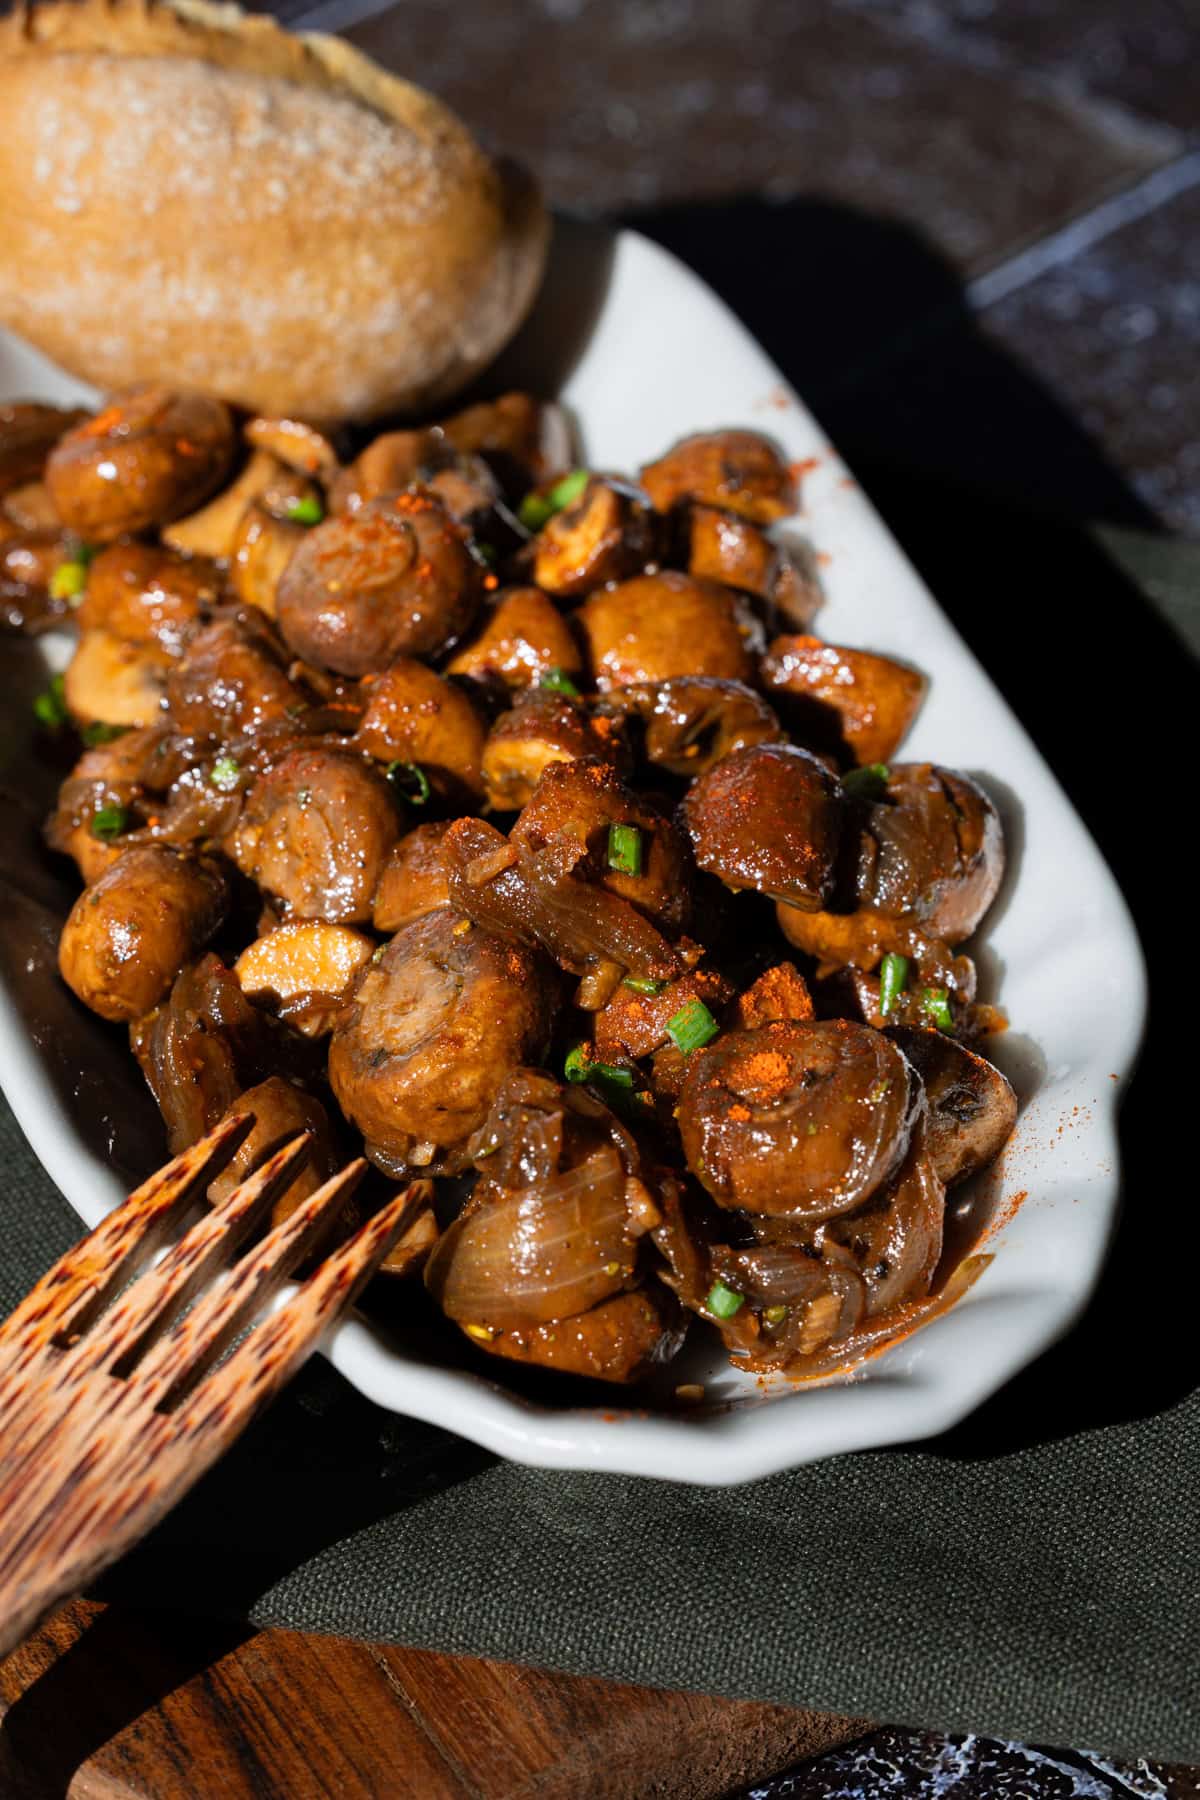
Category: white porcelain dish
[660,357]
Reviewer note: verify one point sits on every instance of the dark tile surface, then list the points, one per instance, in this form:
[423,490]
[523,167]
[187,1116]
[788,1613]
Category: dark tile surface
[1115,335]
[1141,56]
[910,1765]
[638,103]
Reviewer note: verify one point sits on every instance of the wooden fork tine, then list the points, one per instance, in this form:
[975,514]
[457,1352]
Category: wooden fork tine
[70,1294]
[272,1352]
[145,1310]
[121,1464]
[240,1295]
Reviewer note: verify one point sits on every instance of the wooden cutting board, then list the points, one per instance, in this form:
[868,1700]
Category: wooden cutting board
[106,1704]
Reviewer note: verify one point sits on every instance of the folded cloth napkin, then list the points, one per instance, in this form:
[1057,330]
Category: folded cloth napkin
[1031,1574]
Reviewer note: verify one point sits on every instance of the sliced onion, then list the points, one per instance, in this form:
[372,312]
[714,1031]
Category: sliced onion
[538,1253]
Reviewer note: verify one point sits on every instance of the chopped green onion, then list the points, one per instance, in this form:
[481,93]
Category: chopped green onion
[487,553]
[692,1027]
[775,1315]
[109,822]
[100,733]
[867,783]
[307,511]
[724,1301]
[68,580]
[411,780]
[50,707]
[224,774]
[642,984]
[607,1076]
[625,849]
[535,509]
[893,979]
[559,682]
[936,1002]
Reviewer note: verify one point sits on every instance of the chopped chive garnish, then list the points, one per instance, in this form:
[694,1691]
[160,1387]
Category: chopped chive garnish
[625,849]
[557,681]
[642,984]
[487,553]
[607,1076]
[775,1315]
[109,822]
[307,511]
[724,1301]
[100,733]
[50,707]
[535,509]
[868,783]
[893,979]
[692,1027]
[411,780]
[936,1002]
[68,580]
[224,773]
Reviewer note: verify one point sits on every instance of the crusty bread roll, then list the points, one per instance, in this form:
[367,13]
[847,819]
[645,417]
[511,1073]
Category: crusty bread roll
[190,195]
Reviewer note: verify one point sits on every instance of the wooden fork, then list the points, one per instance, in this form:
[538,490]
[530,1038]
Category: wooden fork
[110,1406]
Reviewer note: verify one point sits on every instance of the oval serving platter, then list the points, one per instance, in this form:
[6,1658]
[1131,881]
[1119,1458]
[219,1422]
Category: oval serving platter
[644,353]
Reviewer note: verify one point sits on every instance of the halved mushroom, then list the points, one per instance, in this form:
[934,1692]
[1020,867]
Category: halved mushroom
[394,579]
[130,933]
[544,727]
[112,682]
[739,471]
[693,721]
[281,1112]
[315,833]
[297,444]
[388,465]
[263,546]
[150,455]
[848,700]
[606,534]
[213,531]
[806,1120]
[232,682]
[148,593]
[303,971]
[434,1027]
[723,546]
[658,626]
[768,818]
[415,879]
[108,784]
[932,849]
[524,637]
[416,716]
[972,1107]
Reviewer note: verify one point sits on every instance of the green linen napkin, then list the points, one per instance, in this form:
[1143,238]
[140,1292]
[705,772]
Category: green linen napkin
[1031,1574]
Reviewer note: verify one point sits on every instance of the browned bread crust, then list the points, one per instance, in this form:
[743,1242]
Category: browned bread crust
[189,194]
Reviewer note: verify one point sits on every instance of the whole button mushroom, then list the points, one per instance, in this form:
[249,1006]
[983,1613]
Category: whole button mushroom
[393,579]
[768,817]
[152,454]
[800,1119]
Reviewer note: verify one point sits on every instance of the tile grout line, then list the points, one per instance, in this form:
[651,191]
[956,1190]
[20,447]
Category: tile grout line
[1087,229]
[336,15]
